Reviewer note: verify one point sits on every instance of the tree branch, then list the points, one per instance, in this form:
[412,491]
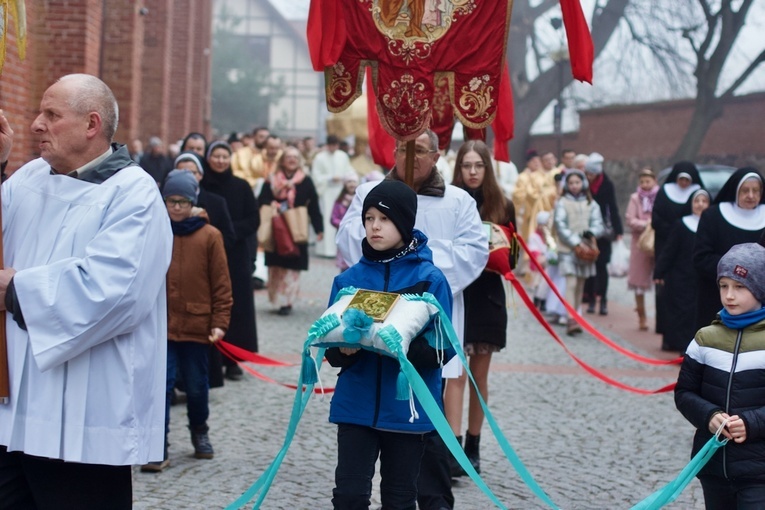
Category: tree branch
[743,77]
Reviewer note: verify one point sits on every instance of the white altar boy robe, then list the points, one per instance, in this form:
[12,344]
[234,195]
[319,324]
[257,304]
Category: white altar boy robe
[88,377]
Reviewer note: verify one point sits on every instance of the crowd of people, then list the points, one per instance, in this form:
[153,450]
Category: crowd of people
[145,260]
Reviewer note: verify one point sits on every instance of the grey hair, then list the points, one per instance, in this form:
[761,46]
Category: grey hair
[431,136]
[93,95]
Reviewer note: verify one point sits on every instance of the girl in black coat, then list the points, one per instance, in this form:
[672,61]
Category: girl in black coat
[602,189]
[737,216]
[243,209]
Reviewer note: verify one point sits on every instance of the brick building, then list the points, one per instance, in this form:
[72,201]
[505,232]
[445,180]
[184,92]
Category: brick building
[154,55]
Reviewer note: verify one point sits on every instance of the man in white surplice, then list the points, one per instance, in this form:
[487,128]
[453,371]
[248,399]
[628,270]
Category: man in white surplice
[327,172]
[87,245]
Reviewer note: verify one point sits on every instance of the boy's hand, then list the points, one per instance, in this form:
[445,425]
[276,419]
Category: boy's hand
[348,351]
[716,421]
[216,334]
[737,429]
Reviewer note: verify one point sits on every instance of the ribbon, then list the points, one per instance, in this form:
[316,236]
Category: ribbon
[252,357]
[600,375]
[586,325]
[224,347]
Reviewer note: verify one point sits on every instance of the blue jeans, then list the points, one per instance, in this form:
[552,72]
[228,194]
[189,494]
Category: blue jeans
[357,450]
[191,359]
[721,494]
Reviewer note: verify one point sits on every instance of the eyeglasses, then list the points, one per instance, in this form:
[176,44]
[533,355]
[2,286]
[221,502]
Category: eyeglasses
[419,152]
[183,203]
[469,166]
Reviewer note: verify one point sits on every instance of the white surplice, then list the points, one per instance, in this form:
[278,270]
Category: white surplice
[88,376]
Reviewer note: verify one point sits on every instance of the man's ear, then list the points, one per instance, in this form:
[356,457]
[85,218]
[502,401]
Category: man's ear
[94,125]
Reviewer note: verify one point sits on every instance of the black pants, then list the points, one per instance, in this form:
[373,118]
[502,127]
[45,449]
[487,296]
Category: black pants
[36,483]
[357,451]
[434,487]
[721,494]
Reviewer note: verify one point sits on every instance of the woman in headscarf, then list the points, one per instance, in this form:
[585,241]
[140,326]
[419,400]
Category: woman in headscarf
[675,271]
[672,203]
[737,216]
[604,193]
[243,209]
[287,188]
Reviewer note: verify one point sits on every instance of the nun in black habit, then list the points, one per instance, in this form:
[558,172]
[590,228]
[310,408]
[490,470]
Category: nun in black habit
[674,270]
[737,216]
[672,203]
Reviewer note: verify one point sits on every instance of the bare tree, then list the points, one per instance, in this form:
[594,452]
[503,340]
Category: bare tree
[712,41]
[534,85]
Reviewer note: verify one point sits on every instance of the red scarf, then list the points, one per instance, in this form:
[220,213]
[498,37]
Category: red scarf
[595,184]
[284,187]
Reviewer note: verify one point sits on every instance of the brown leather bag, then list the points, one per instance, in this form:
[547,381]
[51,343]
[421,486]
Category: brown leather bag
[587,250]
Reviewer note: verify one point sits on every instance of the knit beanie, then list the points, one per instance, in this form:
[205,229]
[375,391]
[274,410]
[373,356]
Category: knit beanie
[594,163]
[181,183]
[745,263]
[397,201]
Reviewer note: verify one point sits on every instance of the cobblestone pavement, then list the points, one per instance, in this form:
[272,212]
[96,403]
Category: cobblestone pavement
[589,445]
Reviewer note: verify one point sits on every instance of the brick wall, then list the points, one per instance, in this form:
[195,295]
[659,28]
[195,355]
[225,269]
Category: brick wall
[132,51]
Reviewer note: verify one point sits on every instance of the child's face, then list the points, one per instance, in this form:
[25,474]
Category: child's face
[574,184]
[736,298]
[178,207]
[350,187]
[473,170]
[646,182]
[382,234]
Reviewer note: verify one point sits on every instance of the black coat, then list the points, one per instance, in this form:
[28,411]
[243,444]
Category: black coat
[675,267]
[217,212]
[305,195]
[714,238]
[245,219]
[156,166]
[606,199]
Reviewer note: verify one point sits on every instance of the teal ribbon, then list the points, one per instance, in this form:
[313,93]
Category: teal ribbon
[672,490]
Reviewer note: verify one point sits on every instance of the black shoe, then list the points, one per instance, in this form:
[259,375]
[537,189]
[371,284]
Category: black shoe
[234,373]
[455,469]
[472,444]
[285,310]
[543,305]
[591,307]
[257,283]
[201,441]
[603,306]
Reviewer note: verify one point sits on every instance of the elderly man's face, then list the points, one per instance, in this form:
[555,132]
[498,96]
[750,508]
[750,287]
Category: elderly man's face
[260,137]
[424,160]
[62,132]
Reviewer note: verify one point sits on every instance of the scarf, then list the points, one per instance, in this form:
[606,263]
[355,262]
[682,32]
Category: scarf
[386,256]
[743,320]
[647,198]
[187,226]
[283,187]
[433,186]
[595,184]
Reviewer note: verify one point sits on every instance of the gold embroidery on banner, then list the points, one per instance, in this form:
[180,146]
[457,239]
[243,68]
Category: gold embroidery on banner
[405,102]
[441,101]
[476,99]
[339,88]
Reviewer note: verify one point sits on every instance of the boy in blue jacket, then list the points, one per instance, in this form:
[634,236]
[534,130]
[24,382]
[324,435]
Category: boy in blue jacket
[722,384]
[371,422]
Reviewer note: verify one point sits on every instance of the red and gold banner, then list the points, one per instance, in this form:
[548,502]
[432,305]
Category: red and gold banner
[409,43]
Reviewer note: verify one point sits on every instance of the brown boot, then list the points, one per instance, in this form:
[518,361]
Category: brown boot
[572,328]
[640,301]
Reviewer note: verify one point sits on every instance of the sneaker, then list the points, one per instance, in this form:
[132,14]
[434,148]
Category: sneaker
[562,321]
[201,441]
[155,467]
[285,310]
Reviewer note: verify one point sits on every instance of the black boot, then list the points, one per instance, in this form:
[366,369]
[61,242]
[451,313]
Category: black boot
[536,303]
[454,466]
[472,444]
[603,305]
[201,441]
[590,304]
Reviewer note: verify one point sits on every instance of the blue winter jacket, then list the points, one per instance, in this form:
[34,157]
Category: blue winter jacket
[365,393]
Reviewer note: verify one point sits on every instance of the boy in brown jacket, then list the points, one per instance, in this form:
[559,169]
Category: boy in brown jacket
[198,304]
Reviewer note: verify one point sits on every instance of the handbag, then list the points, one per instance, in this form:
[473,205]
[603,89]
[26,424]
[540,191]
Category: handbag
[297,221]
[283,242]
[265,230]
[587,250]
[647,240]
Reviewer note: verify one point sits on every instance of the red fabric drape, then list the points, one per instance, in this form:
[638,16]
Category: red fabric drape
[326,33]
[504,123]
[381,144]
[580,47]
